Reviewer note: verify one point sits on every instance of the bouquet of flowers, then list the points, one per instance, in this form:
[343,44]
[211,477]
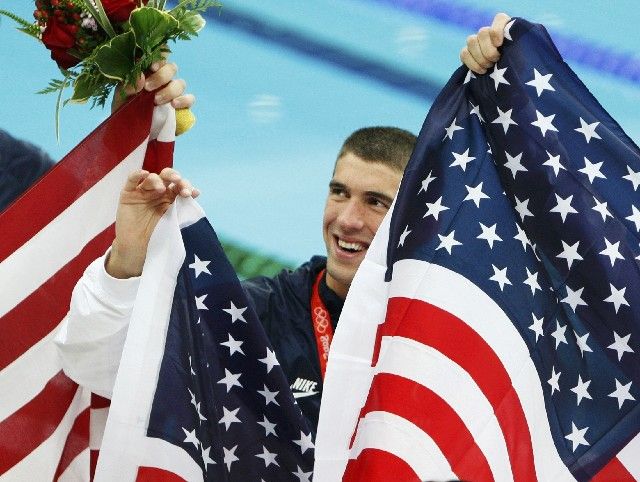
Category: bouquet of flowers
[99,44]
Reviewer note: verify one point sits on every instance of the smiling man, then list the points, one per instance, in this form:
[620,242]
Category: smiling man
[299,309]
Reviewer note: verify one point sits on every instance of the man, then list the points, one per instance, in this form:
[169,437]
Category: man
[298,309]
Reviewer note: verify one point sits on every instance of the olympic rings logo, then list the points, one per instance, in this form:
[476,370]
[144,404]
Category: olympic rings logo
[321,320]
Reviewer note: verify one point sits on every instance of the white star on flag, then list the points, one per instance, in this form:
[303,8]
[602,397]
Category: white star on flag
[206,459]
[230,456]
[559,334]
[617,297]
[468,77]
[489,234]
[621,393]
[434,209]
[448,242]
[621,345]
[191,437]
[514,164]
[554,381]
[612,251]
[570,253]
[601,207]
[304,442]
[522,237]
[233,345]
[633,177]
[563,207]
[544,123]
[403,236]
[270,428]
[230,380]
[425,183]
[504,118]
[475,110]
[577,436]
[302,476]
[229,417]
[582,343]
[592,170]
[554,163]
[475,194]
[199,266]
[500,276]
[498,76]
[635,217]
[540,82]
[268,457]
[532,282]
[451,129]
[573,298]
[269,360]
[235,312]
[581,390]
[200,302]
[588,130]
[462,159]
[536,326]
[522,208]
[269,396]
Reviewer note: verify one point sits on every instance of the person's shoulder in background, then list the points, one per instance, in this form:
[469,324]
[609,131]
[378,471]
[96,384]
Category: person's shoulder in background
[21,164]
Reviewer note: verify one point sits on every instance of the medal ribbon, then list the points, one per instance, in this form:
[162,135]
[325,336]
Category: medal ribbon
[322,327]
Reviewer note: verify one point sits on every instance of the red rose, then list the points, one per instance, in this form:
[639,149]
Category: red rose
[119,10]
[60,37]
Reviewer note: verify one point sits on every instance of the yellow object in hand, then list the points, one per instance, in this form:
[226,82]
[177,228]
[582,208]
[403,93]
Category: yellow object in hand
[185,120]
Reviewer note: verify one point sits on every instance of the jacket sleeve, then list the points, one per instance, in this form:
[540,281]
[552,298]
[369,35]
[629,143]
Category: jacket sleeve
[92,336]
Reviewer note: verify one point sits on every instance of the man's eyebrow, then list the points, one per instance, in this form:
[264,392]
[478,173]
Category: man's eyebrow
[379,195]
[335,184]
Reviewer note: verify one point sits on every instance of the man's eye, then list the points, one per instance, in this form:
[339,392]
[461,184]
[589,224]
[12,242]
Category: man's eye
[378,203]
[337,191]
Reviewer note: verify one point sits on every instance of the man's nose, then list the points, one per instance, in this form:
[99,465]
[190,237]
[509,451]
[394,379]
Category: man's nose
[352,215]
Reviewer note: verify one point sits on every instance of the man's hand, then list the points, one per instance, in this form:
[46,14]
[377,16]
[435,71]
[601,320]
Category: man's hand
[143,200]
[162,74]
[481,51]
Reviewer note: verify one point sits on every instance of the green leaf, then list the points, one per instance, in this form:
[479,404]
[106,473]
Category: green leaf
[25,26]
[83,88]
[115,59]
[151,27]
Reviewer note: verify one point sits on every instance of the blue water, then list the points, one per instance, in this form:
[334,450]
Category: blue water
[282,85]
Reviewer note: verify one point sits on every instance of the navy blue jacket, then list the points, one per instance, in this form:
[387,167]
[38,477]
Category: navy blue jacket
[21,164]
[283,304]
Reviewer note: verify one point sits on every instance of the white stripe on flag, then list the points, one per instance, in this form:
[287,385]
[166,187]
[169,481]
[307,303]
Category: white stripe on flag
[97,423]
[163,455]
[630,457]
[396,435]
[18,267]
[23,379]
[78,469]
[442,287]
[42,463]
[408,358]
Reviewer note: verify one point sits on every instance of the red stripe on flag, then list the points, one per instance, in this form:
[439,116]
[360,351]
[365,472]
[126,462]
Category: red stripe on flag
[158,156]
[614,471]
[93,463]
[153,474]
[39,313]
[374,464]
[453,338]
[77,441]
[78,171]
[405,398]
[32,424]
[99,402]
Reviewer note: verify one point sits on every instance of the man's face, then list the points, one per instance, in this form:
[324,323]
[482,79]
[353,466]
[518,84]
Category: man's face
[360,194]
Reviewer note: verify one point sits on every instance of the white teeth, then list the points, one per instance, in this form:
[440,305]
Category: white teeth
[350,246]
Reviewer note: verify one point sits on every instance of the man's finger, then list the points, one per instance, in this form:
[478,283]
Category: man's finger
[489,51]
[470,62]
[183,101]
[170,175]
[163,75]
[473,46]
[152,182]
[497,28]
[135,178]
[173,89]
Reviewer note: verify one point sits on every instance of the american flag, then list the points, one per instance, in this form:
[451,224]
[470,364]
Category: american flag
[492,332]
[47,238]
[200,394]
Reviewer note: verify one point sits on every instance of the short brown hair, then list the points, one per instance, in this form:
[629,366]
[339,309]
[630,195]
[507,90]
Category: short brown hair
[387,145]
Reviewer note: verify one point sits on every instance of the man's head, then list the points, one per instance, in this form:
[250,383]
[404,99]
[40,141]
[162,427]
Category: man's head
[365,180]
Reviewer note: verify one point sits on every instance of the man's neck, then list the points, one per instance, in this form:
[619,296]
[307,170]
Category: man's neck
[338,288]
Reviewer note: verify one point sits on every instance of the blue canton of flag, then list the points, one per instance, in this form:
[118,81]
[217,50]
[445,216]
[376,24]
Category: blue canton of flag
[200,394]
[523,184]
[221,394]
